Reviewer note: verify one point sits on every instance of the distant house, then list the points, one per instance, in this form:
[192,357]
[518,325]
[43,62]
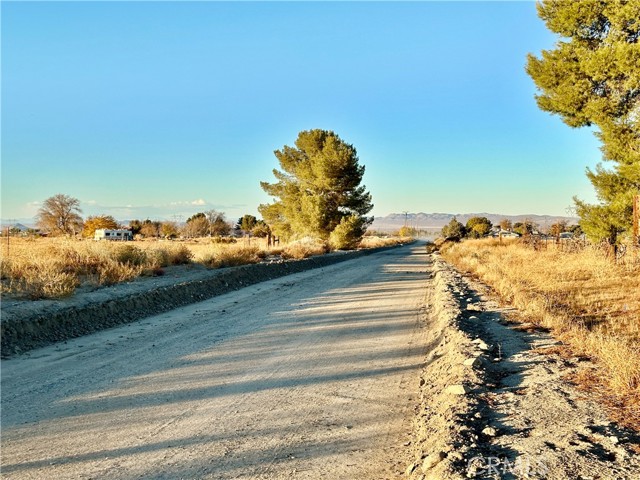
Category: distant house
[118,235]
[505,234]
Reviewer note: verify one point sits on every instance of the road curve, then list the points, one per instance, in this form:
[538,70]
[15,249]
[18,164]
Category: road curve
[314,375]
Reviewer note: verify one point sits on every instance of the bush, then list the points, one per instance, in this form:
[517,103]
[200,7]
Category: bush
[348,233]
[231,257]
[454,230]
[223,240]
[303,248]
[131,255]
[180,255]
[114,271]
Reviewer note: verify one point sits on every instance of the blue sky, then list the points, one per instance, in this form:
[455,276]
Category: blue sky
[164,109]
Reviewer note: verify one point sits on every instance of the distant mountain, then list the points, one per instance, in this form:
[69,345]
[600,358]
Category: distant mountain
[435,221]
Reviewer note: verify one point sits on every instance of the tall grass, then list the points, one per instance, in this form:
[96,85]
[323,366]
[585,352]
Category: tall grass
[37,268]
[589,302]
[52,268]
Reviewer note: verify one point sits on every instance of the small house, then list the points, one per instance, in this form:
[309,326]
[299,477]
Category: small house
[118,235]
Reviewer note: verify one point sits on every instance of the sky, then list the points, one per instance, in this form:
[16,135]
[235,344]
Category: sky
[161,110]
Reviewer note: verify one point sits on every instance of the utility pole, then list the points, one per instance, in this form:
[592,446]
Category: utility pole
[406,214]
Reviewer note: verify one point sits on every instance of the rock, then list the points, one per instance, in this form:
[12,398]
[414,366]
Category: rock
[455,456]
[485,347]
[489,432]
[472,362]
[432,460]
[457,390]
[410,469]
[472,307]
[613,439]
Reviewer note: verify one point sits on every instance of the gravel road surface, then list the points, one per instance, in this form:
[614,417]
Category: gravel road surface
[314,375]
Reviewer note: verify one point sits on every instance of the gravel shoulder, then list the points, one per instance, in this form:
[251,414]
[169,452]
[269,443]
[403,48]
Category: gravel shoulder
[496,404]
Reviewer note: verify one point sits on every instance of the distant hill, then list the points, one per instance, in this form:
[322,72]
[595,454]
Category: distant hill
[435,221]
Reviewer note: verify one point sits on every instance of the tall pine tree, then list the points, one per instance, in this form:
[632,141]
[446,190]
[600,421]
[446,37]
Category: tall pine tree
[317,189]
[592,78]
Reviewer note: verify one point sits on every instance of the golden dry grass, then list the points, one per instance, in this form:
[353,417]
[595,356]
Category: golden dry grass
[51,268]
[589,302]
[38,268]
[377,242]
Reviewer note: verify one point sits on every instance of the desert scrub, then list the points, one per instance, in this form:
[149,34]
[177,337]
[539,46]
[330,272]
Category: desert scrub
[304,248]
[220,256]
[371,241]
[590,303]
[37,280]
[54,267]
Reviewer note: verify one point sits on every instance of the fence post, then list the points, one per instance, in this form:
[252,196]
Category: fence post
[636,221]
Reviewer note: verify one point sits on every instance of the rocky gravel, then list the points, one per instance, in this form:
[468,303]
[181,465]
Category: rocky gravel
[494,405]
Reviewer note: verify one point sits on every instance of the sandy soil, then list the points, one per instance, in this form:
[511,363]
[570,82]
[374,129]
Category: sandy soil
[310,376]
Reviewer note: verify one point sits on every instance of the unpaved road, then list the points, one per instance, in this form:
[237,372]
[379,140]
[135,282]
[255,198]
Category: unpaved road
[313,375]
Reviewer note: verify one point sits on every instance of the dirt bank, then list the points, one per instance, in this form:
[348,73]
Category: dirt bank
[495,404]
[26,325]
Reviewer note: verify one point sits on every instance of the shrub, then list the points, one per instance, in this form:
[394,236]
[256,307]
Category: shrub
[180,255]
[130,254]
[303,248]
[231,257]
[113,272]
[348,233]
[223,240]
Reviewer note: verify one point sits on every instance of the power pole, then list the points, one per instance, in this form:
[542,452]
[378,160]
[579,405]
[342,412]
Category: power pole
[406,214]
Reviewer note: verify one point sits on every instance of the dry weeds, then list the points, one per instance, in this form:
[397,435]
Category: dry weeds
[589,302]
[37,268]
[52,268]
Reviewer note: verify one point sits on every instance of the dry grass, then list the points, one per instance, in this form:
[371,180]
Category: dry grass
[53,268]
[377,242]
[304,248]
[232,255]
[39,268]
[590,303]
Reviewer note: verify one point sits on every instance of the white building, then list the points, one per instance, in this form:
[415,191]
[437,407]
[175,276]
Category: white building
[106,234]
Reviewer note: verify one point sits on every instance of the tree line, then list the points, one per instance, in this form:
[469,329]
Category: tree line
[60,214]
[318,194]
[478,227]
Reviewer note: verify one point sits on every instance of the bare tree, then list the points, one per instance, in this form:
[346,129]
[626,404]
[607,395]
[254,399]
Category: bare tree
[217,223]
[60,215]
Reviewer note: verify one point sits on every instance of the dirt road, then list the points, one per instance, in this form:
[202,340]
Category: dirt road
[313,375]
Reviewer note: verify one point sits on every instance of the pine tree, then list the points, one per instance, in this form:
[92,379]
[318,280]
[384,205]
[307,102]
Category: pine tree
[592,78]
[454,230]
[317,189]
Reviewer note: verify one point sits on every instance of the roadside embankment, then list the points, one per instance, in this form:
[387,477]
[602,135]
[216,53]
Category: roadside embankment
[438,445]
[496,402]
[25,325]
